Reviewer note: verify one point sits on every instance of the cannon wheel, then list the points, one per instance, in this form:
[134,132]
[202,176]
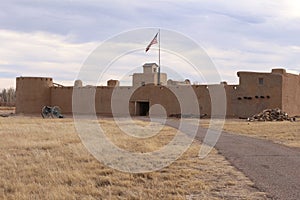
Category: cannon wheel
[46,112]
[55,112]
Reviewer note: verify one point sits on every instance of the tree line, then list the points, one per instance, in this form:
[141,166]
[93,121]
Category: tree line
[8,97]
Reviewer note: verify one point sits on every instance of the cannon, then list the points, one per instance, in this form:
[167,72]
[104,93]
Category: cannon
[51,112]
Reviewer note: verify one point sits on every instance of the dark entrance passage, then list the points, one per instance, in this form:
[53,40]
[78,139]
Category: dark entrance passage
[142,108]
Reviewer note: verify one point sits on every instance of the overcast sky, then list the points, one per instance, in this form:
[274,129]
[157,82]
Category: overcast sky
[54,38]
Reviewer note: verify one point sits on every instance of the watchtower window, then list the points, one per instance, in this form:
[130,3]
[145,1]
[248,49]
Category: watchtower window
[260,81]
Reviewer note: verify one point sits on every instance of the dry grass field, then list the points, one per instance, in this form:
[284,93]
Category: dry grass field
[282,132]
[45,159]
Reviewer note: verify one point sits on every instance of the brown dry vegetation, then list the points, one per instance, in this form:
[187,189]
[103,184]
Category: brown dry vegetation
[7,110]
[282,132]
[45,159]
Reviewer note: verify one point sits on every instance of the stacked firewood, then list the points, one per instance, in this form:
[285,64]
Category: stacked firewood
[270,115]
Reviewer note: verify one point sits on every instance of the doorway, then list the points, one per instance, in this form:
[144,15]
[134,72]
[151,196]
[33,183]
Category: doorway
[142,108]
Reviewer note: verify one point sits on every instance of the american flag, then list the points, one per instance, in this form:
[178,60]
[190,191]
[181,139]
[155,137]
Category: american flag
[154,41]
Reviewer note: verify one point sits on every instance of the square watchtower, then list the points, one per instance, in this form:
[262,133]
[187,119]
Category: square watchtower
[149,76]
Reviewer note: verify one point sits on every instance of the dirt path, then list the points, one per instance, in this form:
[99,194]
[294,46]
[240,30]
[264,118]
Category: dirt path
[273,168]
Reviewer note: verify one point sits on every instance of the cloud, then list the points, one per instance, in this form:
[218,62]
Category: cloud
[40,54]
[257,56]
[7,83]
[53,38]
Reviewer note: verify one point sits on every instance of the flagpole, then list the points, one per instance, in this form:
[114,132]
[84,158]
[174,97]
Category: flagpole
[158,75]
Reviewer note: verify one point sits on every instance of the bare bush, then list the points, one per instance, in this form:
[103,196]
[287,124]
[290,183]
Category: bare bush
[8,97]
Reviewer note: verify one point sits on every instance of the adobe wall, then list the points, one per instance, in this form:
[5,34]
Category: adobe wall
[155,95]
[291,94]
[255,92]
[166,97]
[32,93]
[103,100]
[62,97]
[251,97]
[204,99]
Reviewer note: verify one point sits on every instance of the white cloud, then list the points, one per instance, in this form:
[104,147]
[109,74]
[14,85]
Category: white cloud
[290,9]
[40,54]
[7,83]
[49,38]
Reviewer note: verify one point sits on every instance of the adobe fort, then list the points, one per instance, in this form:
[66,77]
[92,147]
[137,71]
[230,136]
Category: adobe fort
[254,93]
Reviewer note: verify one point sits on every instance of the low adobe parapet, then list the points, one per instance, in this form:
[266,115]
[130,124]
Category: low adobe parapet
[278,71]
[34,77]
[29,78]
[274,71]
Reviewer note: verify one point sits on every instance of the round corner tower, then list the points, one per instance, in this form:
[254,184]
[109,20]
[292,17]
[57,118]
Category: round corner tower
[32,93]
